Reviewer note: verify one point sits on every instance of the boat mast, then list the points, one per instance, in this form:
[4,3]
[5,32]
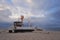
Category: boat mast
[29,19]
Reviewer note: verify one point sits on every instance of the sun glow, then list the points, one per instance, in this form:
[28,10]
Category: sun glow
[29,1]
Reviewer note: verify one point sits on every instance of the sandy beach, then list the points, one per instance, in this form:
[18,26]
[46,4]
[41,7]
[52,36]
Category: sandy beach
[36,35]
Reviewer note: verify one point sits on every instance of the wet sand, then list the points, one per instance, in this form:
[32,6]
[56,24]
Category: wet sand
[37,35]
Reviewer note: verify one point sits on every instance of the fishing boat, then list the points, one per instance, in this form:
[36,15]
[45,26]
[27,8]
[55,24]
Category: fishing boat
[18,27]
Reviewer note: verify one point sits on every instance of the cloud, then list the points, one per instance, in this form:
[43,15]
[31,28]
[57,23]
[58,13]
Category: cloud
[17,1]
[18,11]
[1,7]
[45,12]
[5,12]
[4,15]
[29,1]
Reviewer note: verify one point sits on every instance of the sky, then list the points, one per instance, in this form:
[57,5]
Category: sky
[41,12]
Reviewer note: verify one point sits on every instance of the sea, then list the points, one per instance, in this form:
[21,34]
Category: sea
[47,28]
